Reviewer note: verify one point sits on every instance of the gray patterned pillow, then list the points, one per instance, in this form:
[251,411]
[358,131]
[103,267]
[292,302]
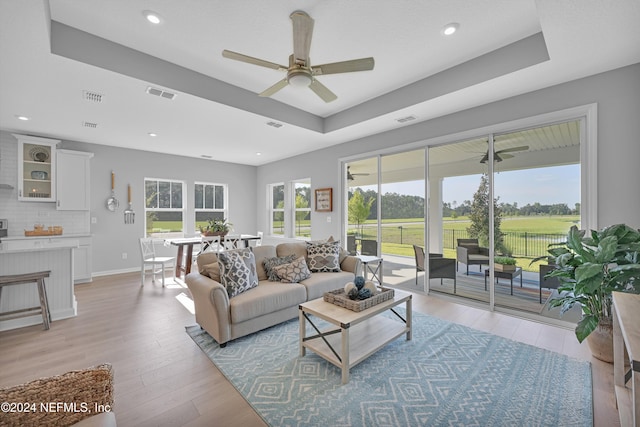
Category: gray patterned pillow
[237,271]
[270,263]
[293,272]
[323,256]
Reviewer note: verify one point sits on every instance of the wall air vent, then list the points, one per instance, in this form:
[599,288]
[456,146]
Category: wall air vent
[275,124]
[161,93]
[90,96]
[406,119]
[90,125]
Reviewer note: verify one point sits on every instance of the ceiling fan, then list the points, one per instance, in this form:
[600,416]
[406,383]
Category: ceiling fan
[300,72]
[351,176]
[500,155]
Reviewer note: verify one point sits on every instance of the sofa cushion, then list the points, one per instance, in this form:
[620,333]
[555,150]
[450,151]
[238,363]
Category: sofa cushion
[293,272]
[212,270]
[323,257]
[267,297]
[261,253]
[271,263]
[206,259]
[237,271]
[319,283]
[296,248]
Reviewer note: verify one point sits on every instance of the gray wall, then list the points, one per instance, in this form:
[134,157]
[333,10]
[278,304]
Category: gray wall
[617,94]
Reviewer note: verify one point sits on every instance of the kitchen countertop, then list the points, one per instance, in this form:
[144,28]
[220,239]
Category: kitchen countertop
[37,245]
[58,236]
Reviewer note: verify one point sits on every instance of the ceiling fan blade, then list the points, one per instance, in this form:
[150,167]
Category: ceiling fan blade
[273,89]
[322,91]
[251,60]
[511,150]
[302,32]
[362,64]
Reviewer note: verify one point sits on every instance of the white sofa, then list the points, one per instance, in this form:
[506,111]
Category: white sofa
[269,303]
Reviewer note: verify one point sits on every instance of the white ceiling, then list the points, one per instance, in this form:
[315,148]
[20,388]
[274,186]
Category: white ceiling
[495,54]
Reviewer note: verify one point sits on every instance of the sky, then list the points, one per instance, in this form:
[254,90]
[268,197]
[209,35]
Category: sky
[548,186]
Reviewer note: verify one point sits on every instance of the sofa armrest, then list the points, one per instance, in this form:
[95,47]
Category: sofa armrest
[211,303]
[351,264]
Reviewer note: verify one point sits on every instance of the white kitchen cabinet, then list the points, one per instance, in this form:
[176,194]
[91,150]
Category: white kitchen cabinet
[73,174]
[82,261]
[36,168]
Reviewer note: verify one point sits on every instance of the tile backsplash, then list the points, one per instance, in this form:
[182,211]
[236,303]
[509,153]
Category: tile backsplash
[23,215]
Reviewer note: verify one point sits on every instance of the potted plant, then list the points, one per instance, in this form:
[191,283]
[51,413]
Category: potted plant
[216,227]
[590,268]
[504,263]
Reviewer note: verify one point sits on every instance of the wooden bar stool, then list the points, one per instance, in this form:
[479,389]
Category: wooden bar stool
[20,279]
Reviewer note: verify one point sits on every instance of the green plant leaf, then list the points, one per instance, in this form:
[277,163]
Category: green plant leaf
[606,249]
[585,326]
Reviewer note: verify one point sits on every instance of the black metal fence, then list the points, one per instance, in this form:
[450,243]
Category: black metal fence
[519,244]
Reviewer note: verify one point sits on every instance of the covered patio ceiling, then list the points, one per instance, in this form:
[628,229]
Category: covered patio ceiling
[552,145]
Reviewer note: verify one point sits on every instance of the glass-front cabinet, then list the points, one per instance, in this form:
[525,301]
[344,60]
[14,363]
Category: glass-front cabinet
[36,168]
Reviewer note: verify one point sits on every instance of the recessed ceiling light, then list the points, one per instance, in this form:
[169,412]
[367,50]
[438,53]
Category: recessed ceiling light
[152,16]
[153,134]
[258,154]
[450,28]
[23,118]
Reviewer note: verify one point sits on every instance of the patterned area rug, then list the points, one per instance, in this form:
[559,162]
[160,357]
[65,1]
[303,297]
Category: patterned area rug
[447,374]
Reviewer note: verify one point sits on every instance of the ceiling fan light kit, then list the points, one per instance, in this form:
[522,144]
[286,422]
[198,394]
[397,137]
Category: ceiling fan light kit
[300,73]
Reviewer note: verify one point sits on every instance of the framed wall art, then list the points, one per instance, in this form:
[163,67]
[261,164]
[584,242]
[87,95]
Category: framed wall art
[324,200]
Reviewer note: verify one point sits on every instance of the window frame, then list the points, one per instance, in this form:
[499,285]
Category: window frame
[214,212]
[182,209]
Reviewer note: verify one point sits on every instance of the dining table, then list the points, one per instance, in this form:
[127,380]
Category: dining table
[185,259]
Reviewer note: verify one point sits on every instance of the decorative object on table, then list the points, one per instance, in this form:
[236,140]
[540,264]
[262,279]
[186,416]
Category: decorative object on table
[341,299]
[590,268]
[129,214]
[39,154]
[39,230]
[41,175]
[216,227]
[112,202]
[324,200]
[504,263]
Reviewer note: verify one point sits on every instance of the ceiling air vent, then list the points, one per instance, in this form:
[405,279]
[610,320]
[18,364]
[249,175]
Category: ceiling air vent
[406,119]
[274,124]
[90,125]
[161,93]
[90,96]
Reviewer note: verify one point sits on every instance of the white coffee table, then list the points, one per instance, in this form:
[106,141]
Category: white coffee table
[358,334]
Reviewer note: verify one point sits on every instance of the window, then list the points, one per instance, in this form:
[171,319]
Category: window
[290,208]
[164,208]
[276,211]
[210,202]
[302,208]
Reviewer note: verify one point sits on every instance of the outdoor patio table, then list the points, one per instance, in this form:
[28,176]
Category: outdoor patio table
[504,275]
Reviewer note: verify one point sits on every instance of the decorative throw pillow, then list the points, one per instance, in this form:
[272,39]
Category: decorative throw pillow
[343,252]
[238,271]
[212,270]
[323,256]
[270,263]
[293,272]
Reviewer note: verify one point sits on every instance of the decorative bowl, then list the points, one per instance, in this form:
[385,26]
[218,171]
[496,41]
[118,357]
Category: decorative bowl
[39,175]
[39,154]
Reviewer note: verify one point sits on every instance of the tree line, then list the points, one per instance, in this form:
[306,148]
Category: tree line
[398,206]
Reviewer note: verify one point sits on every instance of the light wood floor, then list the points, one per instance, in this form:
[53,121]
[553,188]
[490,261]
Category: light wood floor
[163,379]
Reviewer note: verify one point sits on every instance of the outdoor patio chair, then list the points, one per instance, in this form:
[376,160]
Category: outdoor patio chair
[470,252]
[369,247]
[352,246]
[439,267]
[548,282]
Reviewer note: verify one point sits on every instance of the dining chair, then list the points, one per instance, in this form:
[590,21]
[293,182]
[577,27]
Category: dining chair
[260,235]
[157,264]
[211,244]
[231,241]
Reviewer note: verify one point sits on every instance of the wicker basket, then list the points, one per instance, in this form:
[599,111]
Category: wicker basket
[340,298]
